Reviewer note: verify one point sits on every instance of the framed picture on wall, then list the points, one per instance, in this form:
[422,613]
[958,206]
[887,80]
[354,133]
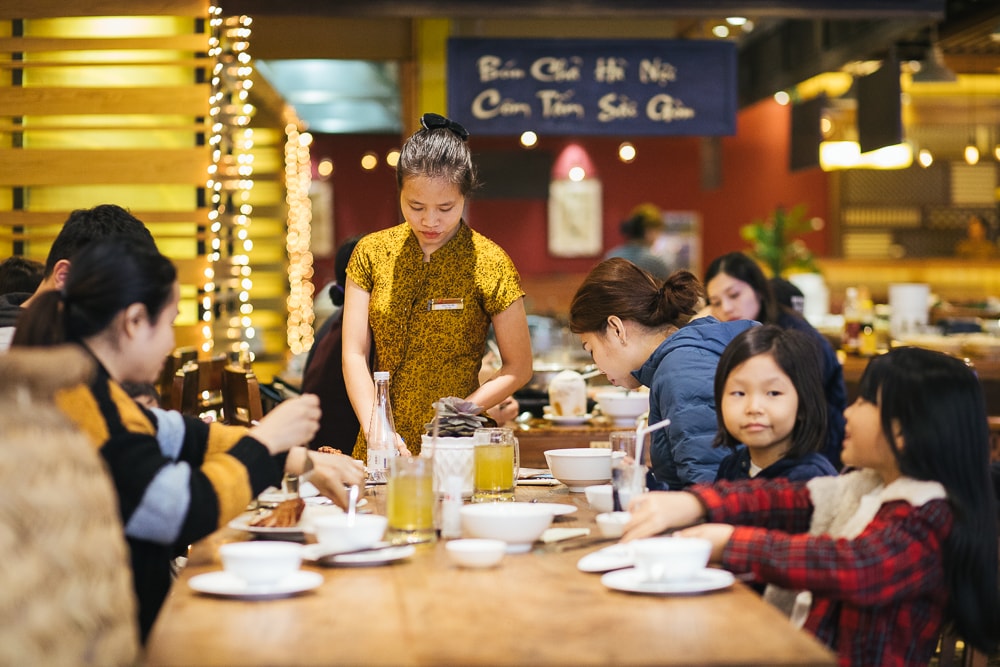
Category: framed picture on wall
[680,242]
[575,228]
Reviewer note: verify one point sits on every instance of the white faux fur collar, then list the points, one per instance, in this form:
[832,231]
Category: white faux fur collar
[845,505]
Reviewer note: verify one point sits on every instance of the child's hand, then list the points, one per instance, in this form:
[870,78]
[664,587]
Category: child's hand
[716,533]
[653,513]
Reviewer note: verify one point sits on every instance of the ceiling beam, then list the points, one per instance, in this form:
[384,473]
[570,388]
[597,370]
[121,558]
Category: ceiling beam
[929,9]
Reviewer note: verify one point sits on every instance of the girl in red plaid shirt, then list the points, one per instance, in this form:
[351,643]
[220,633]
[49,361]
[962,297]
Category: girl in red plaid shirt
[889,552]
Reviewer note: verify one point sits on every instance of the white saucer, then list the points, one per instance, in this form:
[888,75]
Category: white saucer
[229,585]
[322,555]
[557,509]
[615,557]
[568,420]
[709,579]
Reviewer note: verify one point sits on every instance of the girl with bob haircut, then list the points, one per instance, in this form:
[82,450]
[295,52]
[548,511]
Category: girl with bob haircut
[771,411]
[639,332]
[902,545]
[738,290]
[178,478]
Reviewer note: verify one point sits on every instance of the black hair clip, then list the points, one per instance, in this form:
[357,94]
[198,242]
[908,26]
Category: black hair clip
[433,121]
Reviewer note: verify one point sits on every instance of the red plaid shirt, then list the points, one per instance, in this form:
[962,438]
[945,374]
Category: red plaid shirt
[878,599]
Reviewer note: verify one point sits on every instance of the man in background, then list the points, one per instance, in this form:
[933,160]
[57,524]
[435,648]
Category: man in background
[83,227]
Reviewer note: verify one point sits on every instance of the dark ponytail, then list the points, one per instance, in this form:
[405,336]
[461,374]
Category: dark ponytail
[618,287]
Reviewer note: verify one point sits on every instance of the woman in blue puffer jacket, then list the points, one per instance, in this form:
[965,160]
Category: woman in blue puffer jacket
[641,332]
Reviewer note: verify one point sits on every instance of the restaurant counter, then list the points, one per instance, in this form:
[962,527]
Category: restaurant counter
[535,608]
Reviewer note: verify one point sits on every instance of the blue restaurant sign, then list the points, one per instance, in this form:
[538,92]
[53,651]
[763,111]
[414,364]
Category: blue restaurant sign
[593,86]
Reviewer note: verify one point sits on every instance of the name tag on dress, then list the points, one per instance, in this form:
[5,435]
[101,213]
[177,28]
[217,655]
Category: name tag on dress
[446,304]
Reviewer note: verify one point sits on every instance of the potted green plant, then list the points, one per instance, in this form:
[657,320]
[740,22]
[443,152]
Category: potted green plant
[457,420]
[775,243]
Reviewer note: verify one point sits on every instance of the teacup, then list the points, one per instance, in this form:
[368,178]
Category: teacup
[339,532]
[612,524]
[261,564]
[660,559]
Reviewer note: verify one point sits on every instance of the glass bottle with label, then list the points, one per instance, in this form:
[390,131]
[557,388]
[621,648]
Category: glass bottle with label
[867,338]
[381,431]
[852,321]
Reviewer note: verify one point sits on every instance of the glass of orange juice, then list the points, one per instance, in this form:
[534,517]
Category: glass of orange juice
[410,500]
[495,463]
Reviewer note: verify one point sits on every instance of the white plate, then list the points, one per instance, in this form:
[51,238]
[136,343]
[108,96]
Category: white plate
[709,579]
[229,585]
[615,557]
[309,513]
[242,522]
[557,509]
[568,420]
[316,552]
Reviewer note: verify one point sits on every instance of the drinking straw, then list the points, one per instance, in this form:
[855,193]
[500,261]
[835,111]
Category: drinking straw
[640,437]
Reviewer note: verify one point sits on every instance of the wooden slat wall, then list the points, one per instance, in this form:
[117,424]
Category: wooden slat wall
[62,135]
[40,9]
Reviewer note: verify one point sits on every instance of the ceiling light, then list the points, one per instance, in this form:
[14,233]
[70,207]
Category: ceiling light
[925,158]
[736,20]
[720,31]
[933,68]
[971,153]
[626,152]
[835,155]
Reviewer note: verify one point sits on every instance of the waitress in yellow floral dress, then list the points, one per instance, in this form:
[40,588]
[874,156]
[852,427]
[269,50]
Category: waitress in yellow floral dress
[426,291]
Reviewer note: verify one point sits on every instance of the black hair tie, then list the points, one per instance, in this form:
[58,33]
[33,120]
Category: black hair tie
[433,121]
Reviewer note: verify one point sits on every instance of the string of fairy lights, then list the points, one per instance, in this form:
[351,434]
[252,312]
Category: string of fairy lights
[225,291]
[298,179]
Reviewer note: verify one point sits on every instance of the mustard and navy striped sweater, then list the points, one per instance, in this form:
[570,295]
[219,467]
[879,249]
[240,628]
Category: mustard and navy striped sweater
[178,479]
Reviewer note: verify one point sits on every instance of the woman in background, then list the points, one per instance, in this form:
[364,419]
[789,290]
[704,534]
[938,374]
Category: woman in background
[738,290]
[641,230]
[324,369]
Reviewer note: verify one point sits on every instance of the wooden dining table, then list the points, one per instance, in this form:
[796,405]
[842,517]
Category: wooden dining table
[535,608]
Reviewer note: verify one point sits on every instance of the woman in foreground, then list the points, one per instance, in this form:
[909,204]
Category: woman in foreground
[889,552]
[177,478]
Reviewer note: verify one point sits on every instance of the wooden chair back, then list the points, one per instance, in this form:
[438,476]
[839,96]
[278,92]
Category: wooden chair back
[241,402]
[171,365]
[952,652]
[185,391]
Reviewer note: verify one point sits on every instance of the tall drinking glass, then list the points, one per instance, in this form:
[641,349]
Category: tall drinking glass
[495,464]
[410,500]
[627,478]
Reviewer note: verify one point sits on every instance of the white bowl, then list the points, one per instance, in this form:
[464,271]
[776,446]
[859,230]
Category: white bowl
[599,497]
[612,524]
[670,558]
[624,407]
[579,468]
[336,532]
[517,524]
[261,563]
[476,552]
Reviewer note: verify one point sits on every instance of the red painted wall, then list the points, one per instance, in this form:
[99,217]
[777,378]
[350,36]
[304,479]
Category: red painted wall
[667,172]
